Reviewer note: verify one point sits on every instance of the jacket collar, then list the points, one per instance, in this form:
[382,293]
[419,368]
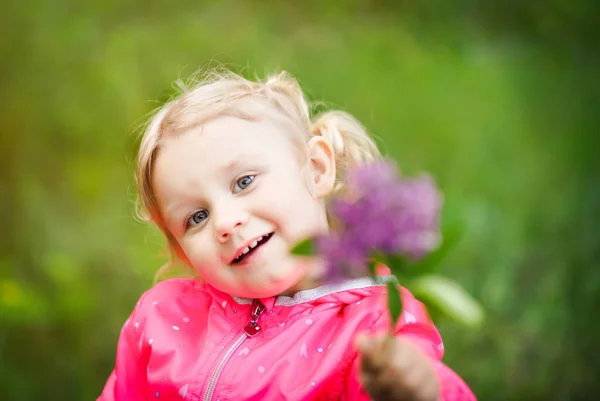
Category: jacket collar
[322,291]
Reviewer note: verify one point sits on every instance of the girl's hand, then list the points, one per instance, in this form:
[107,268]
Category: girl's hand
[394,369]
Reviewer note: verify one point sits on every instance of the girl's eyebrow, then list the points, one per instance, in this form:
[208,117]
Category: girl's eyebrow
[239,162]
[232,165]
[176,208]
[173,210]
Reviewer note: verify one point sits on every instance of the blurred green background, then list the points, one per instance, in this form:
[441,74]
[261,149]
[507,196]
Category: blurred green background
[499,100]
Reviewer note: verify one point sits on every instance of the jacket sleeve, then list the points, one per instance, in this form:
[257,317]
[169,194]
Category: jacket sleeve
[127,382]
[415,325]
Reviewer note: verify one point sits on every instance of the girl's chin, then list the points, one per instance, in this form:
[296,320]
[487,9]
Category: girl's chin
[269,291]
[307,283]
[287,279]
[271,287]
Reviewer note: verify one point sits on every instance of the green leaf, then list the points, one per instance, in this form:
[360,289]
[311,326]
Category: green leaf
[304,248]
[394,302]
[450,298]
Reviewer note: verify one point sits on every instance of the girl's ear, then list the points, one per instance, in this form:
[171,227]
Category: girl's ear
[322,163]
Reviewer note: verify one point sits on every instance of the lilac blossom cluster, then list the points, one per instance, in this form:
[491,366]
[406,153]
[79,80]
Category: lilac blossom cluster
[383,213]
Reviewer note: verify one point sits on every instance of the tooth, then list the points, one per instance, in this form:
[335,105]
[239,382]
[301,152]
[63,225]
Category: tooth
[253,244]
[246,250]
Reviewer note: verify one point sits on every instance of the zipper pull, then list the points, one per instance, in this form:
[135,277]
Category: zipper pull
[253,328]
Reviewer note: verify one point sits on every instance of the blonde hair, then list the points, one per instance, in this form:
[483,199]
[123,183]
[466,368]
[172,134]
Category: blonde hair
[228,94]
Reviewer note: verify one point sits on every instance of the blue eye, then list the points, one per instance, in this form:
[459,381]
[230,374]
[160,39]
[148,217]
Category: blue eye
[243,183]
[197,218]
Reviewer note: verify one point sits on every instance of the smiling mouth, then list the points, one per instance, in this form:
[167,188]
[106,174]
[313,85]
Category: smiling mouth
[253,247]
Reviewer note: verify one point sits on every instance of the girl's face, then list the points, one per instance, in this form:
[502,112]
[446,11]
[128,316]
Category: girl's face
[237,195]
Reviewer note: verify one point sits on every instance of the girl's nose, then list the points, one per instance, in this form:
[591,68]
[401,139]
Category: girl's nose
[229,223]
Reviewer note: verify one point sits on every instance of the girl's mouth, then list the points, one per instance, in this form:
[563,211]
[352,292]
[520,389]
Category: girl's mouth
[252,248]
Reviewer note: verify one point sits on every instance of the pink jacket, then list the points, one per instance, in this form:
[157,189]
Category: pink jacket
[185,340]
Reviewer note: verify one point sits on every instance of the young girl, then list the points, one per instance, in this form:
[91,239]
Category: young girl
[235,173]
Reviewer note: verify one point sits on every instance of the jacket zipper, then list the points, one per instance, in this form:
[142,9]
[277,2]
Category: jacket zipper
[251,329]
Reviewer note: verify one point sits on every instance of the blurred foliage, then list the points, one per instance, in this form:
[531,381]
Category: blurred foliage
[498,100]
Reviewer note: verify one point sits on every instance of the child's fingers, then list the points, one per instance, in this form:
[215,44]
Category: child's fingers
[417,370]
[385,386]
[394,369]
[403,357]
[373,359]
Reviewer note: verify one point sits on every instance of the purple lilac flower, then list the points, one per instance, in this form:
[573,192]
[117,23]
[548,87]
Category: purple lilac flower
[343,258]
[381,212]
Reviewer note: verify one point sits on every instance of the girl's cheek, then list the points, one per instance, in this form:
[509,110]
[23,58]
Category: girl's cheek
[193,242]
